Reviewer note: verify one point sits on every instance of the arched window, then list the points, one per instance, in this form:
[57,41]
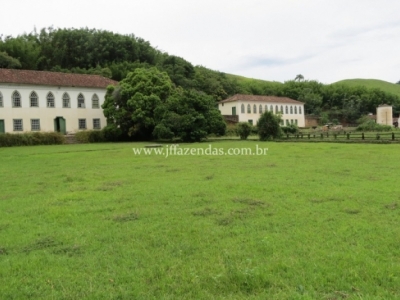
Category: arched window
[281,109]
[291,110]
[295,121]
[286,109]
[16,99]
[95,101]
[254,109]
[50,100]
[276,109]
[260,109]
[33,98]
[1,100]
[81,101]
[271,109]
[66,100]
[266,107]
[248,109]
[242,108]
[300,110]
[295,110]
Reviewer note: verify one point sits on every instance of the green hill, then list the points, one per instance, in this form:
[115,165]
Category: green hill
[243,79]
[373,83]
[255,86]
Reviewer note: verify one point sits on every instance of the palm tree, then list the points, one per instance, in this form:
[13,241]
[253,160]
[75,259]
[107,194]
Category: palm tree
[299,78]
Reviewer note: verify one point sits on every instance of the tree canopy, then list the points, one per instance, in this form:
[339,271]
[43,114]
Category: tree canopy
[146,105]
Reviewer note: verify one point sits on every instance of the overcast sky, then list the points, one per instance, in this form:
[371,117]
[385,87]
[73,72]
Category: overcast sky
[325,40]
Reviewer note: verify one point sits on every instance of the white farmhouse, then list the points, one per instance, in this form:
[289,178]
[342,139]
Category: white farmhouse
[51,101]
[248,108]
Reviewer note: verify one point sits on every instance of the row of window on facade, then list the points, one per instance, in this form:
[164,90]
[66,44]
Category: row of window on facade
[282,122]
[271,108]
[50,100]
[18,124]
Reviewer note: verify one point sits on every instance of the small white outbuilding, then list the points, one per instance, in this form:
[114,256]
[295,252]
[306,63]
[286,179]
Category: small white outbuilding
[384,115]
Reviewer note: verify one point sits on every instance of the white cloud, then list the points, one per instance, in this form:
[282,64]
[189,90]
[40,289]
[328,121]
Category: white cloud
[327,40]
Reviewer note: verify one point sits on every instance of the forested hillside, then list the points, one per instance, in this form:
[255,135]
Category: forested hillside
[113,55]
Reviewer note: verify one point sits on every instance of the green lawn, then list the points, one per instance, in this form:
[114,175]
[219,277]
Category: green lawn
[96,221]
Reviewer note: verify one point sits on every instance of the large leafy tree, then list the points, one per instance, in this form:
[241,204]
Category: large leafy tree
[130,106]
[190,116]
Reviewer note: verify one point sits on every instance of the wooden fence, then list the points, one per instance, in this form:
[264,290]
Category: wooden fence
[343,136]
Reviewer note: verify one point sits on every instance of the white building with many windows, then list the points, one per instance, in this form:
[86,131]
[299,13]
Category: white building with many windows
[51,101]
[248,108]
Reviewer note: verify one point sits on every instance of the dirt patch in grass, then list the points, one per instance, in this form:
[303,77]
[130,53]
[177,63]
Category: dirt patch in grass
[42,243]
[392,206]
[4,226]
[126,217]
[206,212]
[250,202]
[352,211]
[68,250]
[107,186]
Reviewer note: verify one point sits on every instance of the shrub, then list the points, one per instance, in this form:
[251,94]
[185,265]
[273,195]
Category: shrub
[291,128]
[269,126]
[31,139]
[231,130]
[244,130]
[112,133]
[90,136]
[371,125]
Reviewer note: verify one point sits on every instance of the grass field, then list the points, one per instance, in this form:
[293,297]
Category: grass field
[373,83]
[96,221]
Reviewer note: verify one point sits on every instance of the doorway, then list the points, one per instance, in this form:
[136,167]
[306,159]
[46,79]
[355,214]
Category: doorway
[2,129]
[60,125]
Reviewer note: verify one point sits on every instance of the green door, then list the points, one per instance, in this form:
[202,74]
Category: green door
[234,111]
[63,126]
[2,129]
[60,125]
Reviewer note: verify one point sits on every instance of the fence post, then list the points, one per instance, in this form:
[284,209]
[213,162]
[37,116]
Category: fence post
[308,136]
[322,135]
[392,136]
[335,135]
[287,135]
[378,136]
[362,135]
[348,136]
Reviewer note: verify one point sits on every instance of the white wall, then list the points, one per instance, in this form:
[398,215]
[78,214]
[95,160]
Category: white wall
[384,115]
[226,109]
[48,114]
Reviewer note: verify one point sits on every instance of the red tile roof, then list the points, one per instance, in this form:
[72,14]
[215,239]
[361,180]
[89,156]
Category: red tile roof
[255,98]
[54,78]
